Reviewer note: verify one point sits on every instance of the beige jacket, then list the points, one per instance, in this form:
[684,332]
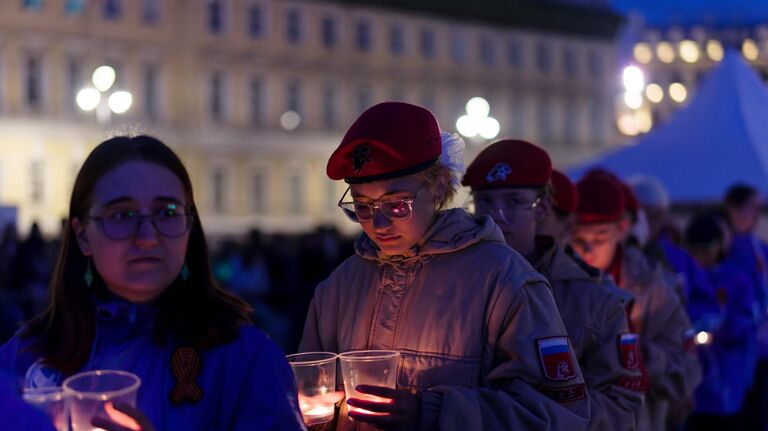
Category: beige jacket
[660,319]
[467,314]
[595,318]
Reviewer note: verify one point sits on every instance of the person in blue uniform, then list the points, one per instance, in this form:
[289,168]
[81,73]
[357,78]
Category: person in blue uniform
[132,290]
[727,337]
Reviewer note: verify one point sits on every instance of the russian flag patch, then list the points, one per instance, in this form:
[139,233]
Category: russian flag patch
[555,354]
[628,352]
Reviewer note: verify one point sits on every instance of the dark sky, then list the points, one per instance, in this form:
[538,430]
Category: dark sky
[717,13]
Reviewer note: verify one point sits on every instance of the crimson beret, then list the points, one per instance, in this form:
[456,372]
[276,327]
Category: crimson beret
[388,140]
[509,163]
[600,200]
[565,196]
[630,199]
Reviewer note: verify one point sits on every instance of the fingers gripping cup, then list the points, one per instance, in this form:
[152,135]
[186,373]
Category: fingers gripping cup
[368,367]
[315,374]
[89,392]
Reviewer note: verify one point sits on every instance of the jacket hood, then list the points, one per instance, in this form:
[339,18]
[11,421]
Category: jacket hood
[451,231]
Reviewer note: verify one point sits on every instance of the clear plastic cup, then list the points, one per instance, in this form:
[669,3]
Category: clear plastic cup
[49,399]
[315,374]
[368,367]
[88,392]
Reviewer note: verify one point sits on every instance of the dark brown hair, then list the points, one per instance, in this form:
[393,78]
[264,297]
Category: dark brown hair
[195,312]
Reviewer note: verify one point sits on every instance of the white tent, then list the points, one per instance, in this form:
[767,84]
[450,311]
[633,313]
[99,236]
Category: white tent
[720,138]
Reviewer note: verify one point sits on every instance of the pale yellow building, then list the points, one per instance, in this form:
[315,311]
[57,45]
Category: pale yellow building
[256,94]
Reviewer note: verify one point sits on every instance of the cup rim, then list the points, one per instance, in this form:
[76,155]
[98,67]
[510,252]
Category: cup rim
[101,395]
[43,393]
[372,355]
[332,357]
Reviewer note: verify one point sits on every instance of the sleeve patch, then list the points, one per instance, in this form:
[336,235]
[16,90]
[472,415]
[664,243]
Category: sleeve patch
[565,394]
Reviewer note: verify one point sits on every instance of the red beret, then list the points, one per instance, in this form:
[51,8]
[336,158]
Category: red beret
[388,140]
[566,197]
[509,164]
[600,200]
[630,200]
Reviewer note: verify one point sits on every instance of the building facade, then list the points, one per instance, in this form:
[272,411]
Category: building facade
[256,94]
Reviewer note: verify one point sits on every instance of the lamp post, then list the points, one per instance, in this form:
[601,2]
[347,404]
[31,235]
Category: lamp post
[99,98]
[477,122]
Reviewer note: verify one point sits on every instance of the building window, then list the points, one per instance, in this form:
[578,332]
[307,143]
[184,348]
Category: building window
[487,54]
[219,190]
[255,21]
[544,120]
[363,98]
[572,123]
[257,101]
[570,62]
[74,7]
[259,192]
[458,47]
[595,65]
[151,91]
[293,26]
[428,99]
[427,39]
[333,197]
[150,11]
[328,30]
[32,4]
[74,80]
[396,40]
[363,35]
[216,96]
[515,53]
[597,121]
[293,96]
[518,115]
[329,107]
[34,83]
[37,181]
[543,59]
[112,10]
[215,16]
[296,194]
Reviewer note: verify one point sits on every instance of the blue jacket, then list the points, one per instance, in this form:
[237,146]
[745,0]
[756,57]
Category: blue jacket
[729,361]
[24,417]
[247,384]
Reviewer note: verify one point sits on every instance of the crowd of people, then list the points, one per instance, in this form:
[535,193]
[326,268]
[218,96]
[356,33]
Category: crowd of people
[538,304]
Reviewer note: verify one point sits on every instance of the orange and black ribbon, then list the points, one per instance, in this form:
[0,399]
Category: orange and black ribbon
[186,365]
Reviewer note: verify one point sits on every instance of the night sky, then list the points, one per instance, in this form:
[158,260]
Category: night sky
[716,13]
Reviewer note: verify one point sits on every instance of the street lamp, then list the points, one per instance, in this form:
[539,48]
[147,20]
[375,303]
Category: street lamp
[477,122]
[92,98]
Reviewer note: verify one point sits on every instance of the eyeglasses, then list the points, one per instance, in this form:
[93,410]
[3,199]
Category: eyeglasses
[482,206]
[173,220]
[393,209]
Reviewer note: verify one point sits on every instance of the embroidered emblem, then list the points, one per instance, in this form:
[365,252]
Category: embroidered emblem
[565,394]
[360,157]
[186,365]
[555,354]
[628,351]
[498,173]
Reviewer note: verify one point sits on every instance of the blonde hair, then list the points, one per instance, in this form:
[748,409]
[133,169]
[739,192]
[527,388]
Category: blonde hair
[439,177]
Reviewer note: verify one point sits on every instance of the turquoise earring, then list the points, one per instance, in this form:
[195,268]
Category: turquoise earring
[88,277]
[184,272]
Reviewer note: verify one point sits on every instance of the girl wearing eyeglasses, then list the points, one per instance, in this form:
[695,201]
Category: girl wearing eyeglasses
[481,343]
[132,290]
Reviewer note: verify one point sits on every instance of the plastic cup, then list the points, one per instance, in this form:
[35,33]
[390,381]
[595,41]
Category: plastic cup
[88,392]
[50,400]
[368,367]
[315,374]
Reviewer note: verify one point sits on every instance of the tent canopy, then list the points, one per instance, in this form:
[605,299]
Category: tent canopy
[719,139]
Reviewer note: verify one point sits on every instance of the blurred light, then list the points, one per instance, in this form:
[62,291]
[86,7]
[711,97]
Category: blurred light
[633,78]
[626,125]
[103,78]
[654,93]
[290,120]
[715,50]
[703,337]
[665,52]
[677,92]
[689,51]
[88,99]
[489,128]
[750,50]
[478,107]
[642,52]
[633,100]
[643,121]
[120,101]
[468,126]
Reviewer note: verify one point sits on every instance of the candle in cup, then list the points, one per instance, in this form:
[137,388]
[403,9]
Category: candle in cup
[318,409]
